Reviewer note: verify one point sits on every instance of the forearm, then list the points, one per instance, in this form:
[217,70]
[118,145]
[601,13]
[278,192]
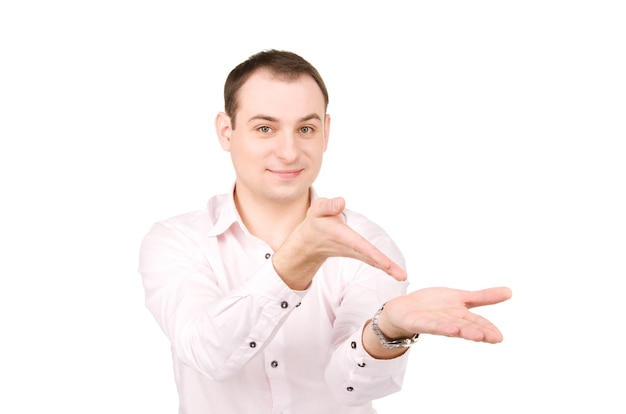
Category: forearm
[358,378]
[214,324]
[224,336]
[359,360]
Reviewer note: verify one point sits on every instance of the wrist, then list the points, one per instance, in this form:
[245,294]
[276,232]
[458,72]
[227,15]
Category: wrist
[391,338]
[296,272]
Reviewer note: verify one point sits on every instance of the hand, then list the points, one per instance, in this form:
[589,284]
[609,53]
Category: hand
[323,234]
[443,311]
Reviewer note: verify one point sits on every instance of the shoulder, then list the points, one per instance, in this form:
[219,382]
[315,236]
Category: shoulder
[197,222]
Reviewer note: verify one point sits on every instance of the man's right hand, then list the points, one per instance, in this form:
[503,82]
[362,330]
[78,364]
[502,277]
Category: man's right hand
[321,235]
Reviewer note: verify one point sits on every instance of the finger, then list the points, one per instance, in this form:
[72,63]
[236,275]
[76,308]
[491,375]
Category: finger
[489,334]
[474,328]
[323,207]
[368,253]
[360,248]
[488,331]
[488,296]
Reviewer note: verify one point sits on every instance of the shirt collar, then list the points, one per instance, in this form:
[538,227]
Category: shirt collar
[224,213]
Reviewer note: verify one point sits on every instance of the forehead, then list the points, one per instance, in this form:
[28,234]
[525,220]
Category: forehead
[266,93]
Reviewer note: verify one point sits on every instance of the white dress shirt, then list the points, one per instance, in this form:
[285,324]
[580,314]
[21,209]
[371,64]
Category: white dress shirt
[244,342]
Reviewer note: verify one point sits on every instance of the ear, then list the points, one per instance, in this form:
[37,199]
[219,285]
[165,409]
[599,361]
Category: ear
[223,127]
[326,131]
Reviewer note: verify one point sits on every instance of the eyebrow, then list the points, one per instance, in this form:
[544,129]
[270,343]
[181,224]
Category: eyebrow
[273,119]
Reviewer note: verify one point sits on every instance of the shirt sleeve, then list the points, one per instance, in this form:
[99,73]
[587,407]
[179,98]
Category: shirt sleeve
[356,377]
[364,378]
[212,327]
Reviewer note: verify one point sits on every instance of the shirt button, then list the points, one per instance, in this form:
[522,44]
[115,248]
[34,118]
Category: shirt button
[353,345]
[252,344]
[350,389]
[267,255]
[274,364]
[284,304]
[362,364]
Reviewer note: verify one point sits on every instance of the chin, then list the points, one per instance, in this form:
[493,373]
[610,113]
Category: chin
[286,195]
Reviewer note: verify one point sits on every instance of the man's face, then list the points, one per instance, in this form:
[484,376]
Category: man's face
[280,137]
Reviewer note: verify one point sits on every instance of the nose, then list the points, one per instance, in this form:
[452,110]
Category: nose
[287,147]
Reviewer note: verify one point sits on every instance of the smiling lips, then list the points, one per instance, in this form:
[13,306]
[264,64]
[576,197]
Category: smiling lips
[286,174]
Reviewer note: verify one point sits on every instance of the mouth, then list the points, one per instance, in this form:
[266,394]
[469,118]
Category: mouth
[286,174]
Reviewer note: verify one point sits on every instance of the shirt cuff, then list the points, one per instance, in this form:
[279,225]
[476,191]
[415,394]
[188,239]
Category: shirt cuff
[268,283]
[362,358]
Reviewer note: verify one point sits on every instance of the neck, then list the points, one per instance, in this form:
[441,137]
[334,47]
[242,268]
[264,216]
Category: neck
[272,221]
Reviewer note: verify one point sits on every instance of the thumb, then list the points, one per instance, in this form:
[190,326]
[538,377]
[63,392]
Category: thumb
[323,207]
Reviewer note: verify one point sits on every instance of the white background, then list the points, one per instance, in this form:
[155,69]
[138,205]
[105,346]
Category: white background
[487,137]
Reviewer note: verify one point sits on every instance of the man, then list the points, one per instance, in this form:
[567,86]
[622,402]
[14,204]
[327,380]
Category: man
[272,297]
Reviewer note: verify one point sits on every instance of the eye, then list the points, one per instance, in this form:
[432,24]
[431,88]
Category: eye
[306,129]
[264,129]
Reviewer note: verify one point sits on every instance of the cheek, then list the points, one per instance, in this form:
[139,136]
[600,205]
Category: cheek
[316,150]
[249,153]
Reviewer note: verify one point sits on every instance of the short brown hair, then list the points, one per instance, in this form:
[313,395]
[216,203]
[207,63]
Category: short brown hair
[281,63]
